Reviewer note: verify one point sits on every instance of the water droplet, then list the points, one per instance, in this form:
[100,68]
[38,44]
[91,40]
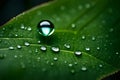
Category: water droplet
[16,35]
[39,42]
[70,65]
[111,30]
[65,62]
[2,56]
[3,29]
[93,38]
[73,25]
[29,28]
[83,37]
[15,56]
[19,47]
[11,48]
[55,58]
[72,71]
[75,63]
[55,49]
[27,44]
[87,5]
[22,26]
[84,68]
[87,49]
[67,46]
[51,64]
[100,65]
[45,28]
[117,53]
[98,48]
[36,50]
[38,58]
[78,53]
[43,48]
[23,65]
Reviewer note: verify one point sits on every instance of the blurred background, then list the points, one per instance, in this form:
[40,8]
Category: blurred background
[11,8]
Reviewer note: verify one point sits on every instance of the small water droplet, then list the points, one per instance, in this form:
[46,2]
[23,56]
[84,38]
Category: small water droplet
[45,28]
[16,35]
[22,26]
[39,42]
[38,59]
[67,46]
[70,65]
[117,53]
[19,47]
[83,37]
[2,56]
[29,28]
[51,64]
[72,71]
[23,65]
[93,38]
[84,68]
[43,48]
[111,30]
[73,25]
[87,5]
[75,63]
[55,49]
[87,49]
[65,62]
[36,50]
[11,48]
[100,65]
[27,44]
[15,56]
[78,53]
[55,58]
[3,29]
[98,48]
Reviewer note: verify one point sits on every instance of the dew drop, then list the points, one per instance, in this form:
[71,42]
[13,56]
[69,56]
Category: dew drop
[78,53]
[75,63]
[27,44]
[87,49]
[72,71]
[67,46]
[84,68]
[16,35]
[15,56]
[87,5]
[70,65]
[100,65]
[45,28]
[19,47]
[117,53]
[55,58]
[98,48]
[22,26]
[39,42]
[29,28]
[65,62]
[55,49]
[73,25]
[36,50]
[83,37]
[51,64]
[11,48]
[111,30]
[2,56]
[43,48]
[93,38]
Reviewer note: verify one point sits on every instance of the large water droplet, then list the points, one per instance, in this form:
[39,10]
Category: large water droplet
[78,53]
[43,48]
[45,28]
[55,49]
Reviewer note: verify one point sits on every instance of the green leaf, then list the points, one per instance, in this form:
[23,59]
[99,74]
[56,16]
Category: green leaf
[89,26]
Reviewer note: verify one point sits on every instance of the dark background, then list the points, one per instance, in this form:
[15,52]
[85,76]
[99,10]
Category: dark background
[11,8]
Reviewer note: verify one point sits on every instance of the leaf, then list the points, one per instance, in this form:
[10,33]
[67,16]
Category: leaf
[89,26]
